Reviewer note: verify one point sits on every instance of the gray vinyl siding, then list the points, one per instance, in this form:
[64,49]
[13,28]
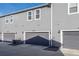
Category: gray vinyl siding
[63,21]
[21,24]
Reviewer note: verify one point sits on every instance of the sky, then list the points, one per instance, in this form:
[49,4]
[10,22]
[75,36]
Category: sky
[6,8]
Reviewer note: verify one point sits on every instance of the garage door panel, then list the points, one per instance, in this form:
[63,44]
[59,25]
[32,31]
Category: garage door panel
[37,38]
[33,34]
[9,36]
[71,33]
[71,39]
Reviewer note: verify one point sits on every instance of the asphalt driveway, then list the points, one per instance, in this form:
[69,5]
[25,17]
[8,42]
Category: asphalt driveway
[26,50]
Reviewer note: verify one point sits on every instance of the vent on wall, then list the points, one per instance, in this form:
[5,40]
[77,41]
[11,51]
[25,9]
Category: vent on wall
[58,31]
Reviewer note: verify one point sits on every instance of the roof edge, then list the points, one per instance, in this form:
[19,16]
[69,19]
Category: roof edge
[24,10]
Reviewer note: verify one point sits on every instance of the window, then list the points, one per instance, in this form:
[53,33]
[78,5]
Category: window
[72,8]
[37,14]
[11,19]
[29,16]
[6,20]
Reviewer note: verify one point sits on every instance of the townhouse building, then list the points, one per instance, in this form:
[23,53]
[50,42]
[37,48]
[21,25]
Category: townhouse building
[54,24]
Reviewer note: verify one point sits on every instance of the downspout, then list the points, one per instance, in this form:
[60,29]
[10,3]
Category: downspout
[2,37]
[51,34]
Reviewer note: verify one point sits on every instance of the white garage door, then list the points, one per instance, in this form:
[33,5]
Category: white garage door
[8,36]
[71,39]
[38,38]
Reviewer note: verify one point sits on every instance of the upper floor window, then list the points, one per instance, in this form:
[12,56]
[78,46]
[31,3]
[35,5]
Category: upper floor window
[29,15]
[6,20]
[37,14]
[11,19]
[72,8]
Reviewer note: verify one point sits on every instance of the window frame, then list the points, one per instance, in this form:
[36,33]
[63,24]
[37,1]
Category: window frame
[31,16]
[39,14]
[73,12]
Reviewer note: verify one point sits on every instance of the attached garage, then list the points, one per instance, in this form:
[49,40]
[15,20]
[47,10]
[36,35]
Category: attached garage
[37,38]
[8,37]
[70,39]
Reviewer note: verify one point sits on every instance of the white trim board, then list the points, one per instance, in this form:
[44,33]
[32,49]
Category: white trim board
[51,23]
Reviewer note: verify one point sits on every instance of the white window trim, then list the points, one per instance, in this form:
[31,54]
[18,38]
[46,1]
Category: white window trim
[11,17]
[31,16]
[35,14]
[74,12]
[6,19]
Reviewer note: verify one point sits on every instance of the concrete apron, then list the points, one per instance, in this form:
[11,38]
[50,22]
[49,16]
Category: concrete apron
[70,52]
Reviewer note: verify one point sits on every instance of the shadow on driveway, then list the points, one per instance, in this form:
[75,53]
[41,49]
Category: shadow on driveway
[38,40]
[26,50]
